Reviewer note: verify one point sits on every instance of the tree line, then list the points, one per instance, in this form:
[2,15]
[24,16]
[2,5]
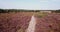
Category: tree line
[21,10]
[16,10]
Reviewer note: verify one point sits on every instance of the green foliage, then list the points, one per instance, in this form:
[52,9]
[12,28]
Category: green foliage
[3,11]
[40,15]
[22,10]
[57,11]
[16,10]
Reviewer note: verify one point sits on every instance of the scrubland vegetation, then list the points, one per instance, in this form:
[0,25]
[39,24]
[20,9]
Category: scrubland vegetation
[13,20]
[22,10]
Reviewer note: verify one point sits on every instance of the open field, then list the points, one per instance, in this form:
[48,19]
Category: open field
[18,22]
[49,23]
[12,22]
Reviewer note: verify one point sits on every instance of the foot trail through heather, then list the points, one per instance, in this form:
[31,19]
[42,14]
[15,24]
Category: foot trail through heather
[32,23]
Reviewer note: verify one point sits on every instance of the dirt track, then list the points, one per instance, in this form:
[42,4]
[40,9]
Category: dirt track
[13,22]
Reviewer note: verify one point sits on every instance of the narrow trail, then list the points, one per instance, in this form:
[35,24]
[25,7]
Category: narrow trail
[32,23]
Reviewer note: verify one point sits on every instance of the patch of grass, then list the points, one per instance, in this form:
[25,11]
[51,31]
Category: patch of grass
[21,30]
[39,14]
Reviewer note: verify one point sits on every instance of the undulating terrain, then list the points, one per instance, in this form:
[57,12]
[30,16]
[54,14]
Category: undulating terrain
[49,23]
[13,22]
[18,22]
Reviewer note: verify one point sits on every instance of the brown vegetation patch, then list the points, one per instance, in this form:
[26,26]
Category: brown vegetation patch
[12,22]
[49,23]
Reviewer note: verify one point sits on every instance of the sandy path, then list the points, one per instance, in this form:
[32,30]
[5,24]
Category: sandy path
[32,23]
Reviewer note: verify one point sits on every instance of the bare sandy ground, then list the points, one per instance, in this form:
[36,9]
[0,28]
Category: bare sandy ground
[32,24]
